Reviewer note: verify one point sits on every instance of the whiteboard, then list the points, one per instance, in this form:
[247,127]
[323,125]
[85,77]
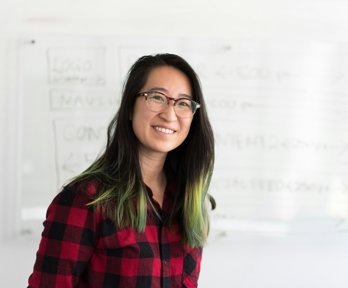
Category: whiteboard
[278,109]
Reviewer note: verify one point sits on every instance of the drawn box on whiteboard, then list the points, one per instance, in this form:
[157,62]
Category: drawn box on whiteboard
[72,100]
[77,144]
[76,66]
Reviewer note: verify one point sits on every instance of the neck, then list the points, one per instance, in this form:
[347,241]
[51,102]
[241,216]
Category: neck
[151,167]
[153,174]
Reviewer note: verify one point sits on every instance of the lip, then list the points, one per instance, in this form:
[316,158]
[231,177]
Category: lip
[163,129]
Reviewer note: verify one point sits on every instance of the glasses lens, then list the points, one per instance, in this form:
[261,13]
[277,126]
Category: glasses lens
[156,102]
[184,108]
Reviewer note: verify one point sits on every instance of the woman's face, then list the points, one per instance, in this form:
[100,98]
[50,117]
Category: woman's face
[161,132]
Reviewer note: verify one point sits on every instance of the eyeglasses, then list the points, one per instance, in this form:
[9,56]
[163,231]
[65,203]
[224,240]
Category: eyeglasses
[157,102]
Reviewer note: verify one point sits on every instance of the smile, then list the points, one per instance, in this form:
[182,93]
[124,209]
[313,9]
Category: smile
[164,130]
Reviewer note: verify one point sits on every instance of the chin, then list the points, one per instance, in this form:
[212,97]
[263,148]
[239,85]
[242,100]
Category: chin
[165,149]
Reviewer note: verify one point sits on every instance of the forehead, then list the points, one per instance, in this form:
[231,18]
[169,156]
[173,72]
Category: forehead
[170,79]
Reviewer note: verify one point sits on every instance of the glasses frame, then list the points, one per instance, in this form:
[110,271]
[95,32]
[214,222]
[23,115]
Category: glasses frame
[195,105]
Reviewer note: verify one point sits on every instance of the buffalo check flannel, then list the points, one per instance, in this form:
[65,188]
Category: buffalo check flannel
[82,248]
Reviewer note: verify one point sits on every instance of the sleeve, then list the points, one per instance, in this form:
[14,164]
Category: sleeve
[67,242]
[192,267]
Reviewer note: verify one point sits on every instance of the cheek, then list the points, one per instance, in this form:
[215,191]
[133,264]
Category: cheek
[136,119]
[186,125]
[136,109]
[137,123]
[140,118]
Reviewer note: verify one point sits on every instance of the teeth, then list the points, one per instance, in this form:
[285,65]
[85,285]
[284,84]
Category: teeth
[164,130]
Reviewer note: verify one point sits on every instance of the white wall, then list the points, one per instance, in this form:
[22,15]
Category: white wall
[239,260]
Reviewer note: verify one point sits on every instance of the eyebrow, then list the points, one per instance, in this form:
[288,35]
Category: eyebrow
[165,91]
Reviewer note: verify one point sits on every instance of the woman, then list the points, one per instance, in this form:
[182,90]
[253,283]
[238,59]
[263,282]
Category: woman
[137,217]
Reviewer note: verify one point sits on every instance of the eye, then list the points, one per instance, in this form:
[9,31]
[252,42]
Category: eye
[155,97]
[185,103]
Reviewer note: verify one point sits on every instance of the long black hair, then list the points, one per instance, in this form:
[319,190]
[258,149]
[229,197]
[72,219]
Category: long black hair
[121,193]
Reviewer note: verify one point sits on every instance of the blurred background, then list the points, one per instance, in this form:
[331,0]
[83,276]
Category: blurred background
[275,79]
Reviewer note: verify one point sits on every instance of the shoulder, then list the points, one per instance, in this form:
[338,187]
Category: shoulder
[71,207]
[77,194]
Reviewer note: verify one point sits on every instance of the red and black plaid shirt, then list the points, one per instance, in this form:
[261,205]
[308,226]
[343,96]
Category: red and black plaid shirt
[82,248]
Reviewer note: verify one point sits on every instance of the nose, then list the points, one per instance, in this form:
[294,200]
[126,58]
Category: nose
[169,113]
